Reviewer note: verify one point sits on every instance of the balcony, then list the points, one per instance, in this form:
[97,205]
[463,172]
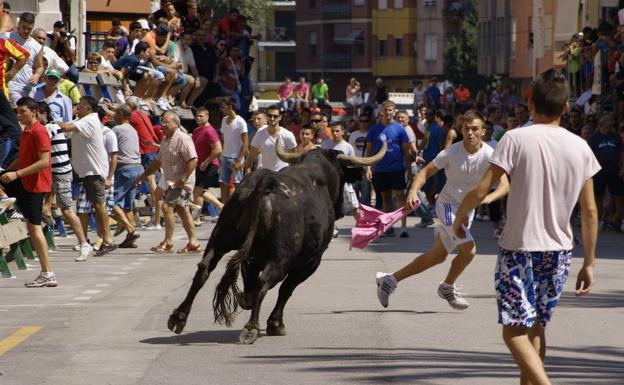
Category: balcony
[336,60]
[454,9]
[336,11]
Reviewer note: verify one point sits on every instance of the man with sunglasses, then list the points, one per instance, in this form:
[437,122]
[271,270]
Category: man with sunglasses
[357,139]
[320,126]
[265,140]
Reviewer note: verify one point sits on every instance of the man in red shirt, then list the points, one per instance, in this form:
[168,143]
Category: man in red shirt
[149,138]
[208,148]
[33,169]
[462,95]
[230,23]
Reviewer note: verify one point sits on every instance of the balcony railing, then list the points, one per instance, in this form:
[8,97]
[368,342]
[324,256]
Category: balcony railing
[454,9]
[336,11]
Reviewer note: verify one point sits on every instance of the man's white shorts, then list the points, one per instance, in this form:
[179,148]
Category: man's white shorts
[446,213]
[349,196]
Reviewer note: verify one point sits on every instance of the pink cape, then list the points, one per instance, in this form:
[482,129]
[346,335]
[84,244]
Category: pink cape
[372,223]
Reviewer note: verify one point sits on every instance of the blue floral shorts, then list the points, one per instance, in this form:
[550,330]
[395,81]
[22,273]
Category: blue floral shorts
[529,284]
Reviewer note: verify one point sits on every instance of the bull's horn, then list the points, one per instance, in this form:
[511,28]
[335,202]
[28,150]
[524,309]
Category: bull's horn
[357,161]
[285,156]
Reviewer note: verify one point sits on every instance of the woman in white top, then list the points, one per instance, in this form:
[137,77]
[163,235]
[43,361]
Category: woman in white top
[353,95]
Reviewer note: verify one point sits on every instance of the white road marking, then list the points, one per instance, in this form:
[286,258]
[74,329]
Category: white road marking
[91,291]
[81,298]
[136,263]
[144,259]
[103,284]
[120,272]
[128,268]
[112,278]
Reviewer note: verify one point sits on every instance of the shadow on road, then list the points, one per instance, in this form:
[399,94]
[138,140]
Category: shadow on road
[609,299]
[374,365]
[197,338]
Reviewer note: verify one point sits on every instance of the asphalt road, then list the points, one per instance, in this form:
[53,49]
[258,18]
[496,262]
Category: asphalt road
[106,323]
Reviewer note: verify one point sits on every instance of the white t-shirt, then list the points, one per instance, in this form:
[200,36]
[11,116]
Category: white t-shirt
[54,60]
[345,147]
[547,166]
[184,56]
[410,134]
[463,170]
[89,155]
[266,144]
[110,143]
[232,132]
[357,140]
[419,97]
[20,81]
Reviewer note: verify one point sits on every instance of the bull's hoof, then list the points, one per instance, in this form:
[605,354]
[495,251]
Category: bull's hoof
[243,301]
[177,321]
[275,329]
[248,336]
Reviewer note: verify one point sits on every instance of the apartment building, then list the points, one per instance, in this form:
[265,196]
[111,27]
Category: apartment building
[334,42]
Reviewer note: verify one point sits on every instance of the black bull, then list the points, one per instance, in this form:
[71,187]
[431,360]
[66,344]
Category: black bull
[280,223]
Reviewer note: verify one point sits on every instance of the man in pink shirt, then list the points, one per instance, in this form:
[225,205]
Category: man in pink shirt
[178,159]
[208,148]
[302,93]
[285,94]
[547,180]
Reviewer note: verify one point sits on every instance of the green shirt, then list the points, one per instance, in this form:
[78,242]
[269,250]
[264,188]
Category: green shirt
[319,90]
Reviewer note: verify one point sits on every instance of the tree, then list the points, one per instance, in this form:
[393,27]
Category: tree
[254,10]
[460,56]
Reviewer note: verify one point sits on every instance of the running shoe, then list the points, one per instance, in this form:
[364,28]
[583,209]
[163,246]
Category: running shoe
[386,283]
[454,297]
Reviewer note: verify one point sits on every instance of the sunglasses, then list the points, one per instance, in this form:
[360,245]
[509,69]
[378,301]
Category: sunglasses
[273,116]
[93,63]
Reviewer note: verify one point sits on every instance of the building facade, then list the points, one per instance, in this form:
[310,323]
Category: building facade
[334,42]
[276,52]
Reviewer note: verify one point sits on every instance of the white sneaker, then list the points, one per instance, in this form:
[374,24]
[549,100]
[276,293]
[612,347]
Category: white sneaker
[386,283]
[42,281]
[86,250]
[335,233]
[5,203]
[152,226]
[163,104]
[453,296]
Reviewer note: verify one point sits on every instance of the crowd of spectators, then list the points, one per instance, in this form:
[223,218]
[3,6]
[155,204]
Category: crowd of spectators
[100,150]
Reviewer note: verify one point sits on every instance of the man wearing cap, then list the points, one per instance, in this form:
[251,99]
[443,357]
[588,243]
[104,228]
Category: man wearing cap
[60,104]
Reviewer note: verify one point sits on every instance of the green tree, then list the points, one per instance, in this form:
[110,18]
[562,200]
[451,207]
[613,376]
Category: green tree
[460,57]
[254,10]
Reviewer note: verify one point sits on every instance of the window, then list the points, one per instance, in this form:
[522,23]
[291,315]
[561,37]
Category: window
[382,48]
[382,4]
[398,47]
[312,43]
[312,3]
[398,4]
[431,46]
[359,47]
[430,3]
[358,2]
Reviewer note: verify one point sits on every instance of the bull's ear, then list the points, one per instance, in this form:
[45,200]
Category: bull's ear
[348,160]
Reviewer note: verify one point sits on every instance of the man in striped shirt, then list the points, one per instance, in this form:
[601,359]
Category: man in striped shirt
[62,178]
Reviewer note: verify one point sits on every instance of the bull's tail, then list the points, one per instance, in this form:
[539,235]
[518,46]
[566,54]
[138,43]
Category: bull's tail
[225,301]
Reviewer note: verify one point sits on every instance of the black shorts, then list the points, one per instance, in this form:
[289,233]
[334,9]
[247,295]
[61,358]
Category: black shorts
[207,178]
[29,203]
[611,180]
[94,187]
[393,180]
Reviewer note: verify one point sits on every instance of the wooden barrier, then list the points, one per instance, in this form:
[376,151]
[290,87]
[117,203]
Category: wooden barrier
[13,235]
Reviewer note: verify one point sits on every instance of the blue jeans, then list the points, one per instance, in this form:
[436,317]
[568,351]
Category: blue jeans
[124,189]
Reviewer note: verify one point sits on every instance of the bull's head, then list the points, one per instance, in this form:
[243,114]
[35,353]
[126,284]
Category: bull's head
[346,160]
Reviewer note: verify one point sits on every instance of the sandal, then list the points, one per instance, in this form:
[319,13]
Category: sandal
[162,247]
[189,249]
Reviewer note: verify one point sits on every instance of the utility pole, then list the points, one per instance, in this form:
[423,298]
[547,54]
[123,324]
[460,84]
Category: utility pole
[322,53]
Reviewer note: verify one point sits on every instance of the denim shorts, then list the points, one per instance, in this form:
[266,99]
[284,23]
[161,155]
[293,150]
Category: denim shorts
[180,80]
[124,191]
[227,173]
[9,148]
[529,284]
